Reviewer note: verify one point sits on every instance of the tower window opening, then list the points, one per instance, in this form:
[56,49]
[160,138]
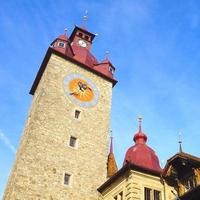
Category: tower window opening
[111,70]
[77,114]
[87,37]
[61,44]
[67,178]
[80,35]
[72,141]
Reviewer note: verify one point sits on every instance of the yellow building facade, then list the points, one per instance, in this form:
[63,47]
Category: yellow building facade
[133,183]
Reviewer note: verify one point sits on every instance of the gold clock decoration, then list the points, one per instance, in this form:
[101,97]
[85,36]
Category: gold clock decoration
[81,90]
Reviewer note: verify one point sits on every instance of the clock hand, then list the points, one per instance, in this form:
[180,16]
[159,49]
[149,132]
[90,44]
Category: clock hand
[89,88]
[82,86]
[73,93]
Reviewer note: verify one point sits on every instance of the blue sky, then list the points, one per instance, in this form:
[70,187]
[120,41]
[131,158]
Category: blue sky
[154,46]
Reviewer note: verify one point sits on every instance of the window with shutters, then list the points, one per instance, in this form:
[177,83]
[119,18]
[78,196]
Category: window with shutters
[150,194]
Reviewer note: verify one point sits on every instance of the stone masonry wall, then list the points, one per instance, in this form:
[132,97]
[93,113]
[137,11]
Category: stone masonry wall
[44,155]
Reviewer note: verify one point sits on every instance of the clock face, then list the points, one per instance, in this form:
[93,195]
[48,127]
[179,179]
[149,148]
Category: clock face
[81,90]
[82,43]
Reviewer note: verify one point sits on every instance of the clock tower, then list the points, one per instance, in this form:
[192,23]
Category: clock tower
[63,150]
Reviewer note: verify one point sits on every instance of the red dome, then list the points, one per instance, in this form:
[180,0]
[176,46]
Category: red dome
[141,154]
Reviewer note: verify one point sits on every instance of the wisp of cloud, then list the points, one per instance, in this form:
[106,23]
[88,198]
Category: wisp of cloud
[7,142]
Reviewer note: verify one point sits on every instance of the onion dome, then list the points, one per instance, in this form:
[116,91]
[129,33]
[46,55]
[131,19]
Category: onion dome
[111,164]
[141,154]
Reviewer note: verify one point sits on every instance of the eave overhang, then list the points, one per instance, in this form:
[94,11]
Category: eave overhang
[127,167]
[45,61]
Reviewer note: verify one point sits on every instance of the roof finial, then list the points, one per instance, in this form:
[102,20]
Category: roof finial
[107,55]
[85,17]
[140,137]
[180,142]
[65,31]
[111,141]
[140,123]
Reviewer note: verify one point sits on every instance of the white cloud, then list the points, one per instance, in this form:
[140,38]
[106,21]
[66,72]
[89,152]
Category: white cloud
[7,142]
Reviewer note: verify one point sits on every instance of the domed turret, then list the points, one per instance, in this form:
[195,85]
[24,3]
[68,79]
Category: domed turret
[141,154]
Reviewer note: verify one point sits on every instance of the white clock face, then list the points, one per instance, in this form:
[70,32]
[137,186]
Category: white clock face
[82,43]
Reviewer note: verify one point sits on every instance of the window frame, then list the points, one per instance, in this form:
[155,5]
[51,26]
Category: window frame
[76,142]
[60,42]
[79,113]
[152,193]
[69,179]
[111,70]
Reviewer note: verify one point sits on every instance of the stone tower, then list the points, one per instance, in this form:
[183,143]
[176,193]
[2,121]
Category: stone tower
[63,151]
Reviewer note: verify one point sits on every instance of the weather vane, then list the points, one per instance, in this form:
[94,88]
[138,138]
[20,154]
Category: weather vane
[85,17]
[180,142]
[111,134]
[107,54]
[140,123]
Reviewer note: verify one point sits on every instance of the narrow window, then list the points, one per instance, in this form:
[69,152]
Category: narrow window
[111,70]
[86,37]
[147,194]
[156,195]
[77,114]
[67,178]
[72,141]
[61,44]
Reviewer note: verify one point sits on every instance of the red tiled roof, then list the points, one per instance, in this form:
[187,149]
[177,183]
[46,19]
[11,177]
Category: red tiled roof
[141,154]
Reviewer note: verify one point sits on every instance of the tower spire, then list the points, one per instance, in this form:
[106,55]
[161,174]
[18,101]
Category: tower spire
[180,142]
[111,164]
[85,17]
[111,142]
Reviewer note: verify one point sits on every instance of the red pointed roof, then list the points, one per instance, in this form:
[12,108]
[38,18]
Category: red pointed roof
[111,164]
[141,154]
[105,67]
[84,55]
[66,48]
[72,51]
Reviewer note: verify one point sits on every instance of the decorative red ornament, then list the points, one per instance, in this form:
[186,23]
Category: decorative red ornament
[141,154]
